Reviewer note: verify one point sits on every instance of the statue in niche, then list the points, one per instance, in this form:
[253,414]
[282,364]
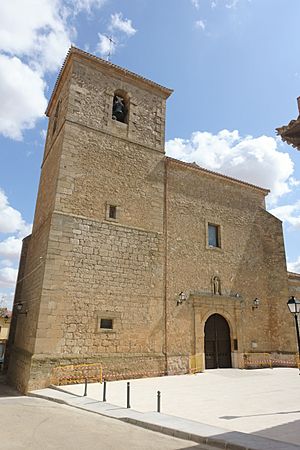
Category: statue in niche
[119,109]
[216,285]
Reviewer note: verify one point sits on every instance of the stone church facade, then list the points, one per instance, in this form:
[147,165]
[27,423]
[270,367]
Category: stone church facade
[137,261]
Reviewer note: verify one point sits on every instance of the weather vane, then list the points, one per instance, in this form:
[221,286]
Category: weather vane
[111,43]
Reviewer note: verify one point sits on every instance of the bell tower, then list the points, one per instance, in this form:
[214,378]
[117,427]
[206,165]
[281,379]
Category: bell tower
[93,268]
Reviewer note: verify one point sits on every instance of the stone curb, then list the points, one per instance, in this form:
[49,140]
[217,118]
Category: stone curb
[258,442]
[210,441]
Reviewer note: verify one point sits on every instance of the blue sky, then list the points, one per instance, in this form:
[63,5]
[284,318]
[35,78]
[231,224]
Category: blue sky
[234,68]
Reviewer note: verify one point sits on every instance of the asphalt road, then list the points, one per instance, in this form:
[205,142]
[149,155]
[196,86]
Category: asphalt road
[34,424]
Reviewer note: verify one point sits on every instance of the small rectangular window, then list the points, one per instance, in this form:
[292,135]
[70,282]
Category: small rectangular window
[213,235]
[112,213]
[106,323]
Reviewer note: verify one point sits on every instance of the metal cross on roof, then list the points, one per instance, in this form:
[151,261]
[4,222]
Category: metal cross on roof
[111,43]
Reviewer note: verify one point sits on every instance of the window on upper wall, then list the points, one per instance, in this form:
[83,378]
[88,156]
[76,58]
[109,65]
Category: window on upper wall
[112,212]
[107,324]
[120,107]
[213,235]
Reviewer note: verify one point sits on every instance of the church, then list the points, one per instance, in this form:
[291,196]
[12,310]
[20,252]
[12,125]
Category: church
[138,262]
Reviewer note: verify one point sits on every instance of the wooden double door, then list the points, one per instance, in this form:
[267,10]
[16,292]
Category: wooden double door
[217,343]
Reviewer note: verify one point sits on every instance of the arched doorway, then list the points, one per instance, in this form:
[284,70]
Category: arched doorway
[217,342]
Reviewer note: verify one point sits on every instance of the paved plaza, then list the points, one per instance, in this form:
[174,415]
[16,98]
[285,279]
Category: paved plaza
[265,402]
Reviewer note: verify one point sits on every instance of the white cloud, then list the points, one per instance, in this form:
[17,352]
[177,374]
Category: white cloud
[6,263]
[254,160]
[36,29]
[232,4]
[120,24]
[11,222]
[25,230]
[86,5]
[200,24]
[10,248]
[229,4]
[53,49]
[105,46]
[43,134]
[10,219]
[22,98]
[34,38]
[8,277]
[294,266]
[294,182]
[6,299]
[289,214]
[196,3]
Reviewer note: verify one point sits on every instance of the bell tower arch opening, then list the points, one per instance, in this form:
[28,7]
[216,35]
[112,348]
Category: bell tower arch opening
[217,343]
[120,106]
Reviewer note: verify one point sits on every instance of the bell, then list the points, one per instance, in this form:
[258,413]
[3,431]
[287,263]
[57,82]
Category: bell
[119,110]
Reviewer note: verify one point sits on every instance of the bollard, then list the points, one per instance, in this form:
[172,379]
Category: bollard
[128,394]
[158,401]
[104,391]
[85,387]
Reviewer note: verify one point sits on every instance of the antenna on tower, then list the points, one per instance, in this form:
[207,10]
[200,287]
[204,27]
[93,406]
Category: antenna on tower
[111,43]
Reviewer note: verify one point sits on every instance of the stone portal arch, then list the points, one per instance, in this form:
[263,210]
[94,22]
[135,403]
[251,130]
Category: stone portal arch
[217,343]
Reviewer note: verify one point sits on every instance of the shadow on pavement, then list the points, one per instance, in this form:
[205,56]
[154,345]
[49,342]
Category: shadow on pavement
[288,432]
[261,440]
[255,415]
[6,390]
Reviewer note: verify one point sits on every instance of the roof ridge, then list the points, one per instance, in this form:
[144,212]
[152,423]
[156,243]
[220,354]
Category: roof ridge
[293,274]
[79,50]
[227,177]
[75,50]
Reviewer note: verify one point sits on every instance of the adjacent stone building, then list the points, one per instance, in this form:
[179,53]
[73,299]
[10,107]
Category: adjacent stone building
[137,261]
[290,133]
[5,317]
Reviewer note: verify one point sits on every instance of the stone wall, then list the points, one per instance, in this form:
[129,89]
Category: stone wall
[81,266]
[17,299]
[98,169]
[91,98]
[294,284]
[93,266]
[249,264]
[101,270]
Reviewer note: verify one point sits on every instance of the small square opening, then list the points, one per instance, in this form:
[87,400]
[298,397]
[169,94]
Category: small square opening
[106,323]
[112,212]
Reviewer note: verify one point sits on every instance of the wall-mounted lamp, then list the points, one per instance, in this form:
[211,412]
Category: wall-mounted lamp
[255,303]
[182,297]
[19,307]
